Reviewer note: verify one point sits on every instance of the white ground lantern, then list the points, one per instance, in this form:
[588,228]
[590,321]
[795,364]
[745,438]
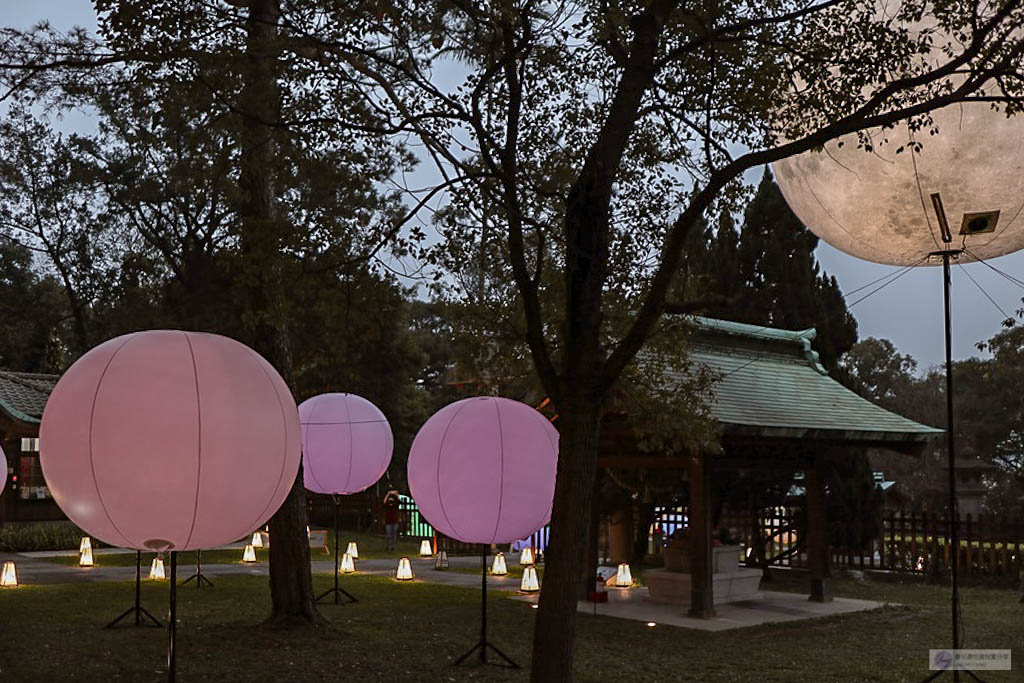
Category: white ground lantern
[498,567]
[249,554]
[526,556]
[425,549]
[9,575]
[85,559]
[623,577]
[347,564]
[442,560]
[530,584]
[353,550]
[257,539]
[86,543]
[156,570]
[404,571]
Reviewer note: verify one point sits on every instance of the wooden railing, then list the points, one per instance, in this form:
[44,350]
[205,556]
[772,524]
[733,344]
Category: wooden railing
[916,543]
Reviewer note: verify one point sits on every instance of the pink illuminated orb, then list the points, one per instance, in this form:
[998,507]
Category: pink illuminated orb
[170,440]
[346,443]
[482,470]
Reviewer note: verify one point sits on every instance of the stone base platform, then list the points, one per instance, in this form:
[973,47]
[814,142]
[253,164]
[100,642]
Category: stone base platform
[674,587]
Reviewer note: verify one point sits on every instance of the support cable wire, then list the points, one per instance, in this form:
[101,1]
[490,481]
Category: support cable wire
[1011,278]
[982,290]
[893,277]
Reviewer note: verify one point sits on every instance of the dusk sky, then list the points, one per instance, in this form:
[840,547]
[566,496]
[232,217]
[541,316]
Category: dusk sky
[909,312]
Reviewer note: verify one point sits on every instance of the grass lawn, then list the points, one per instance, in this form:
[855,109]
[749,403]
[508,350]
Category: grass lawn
[370,547]
[412,632]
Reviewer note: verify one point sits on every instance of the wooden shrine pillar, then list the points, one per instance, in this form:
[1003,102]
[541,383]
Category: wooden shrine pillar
[817,534]
[702,599]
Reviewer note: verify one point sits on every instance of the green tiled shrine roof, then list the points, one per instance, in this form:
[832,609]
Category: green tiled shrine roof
[23,395]
[771,384]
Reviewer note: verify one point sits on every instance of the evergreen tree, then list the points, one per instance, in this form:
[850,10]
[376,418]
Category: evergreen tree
[766,274]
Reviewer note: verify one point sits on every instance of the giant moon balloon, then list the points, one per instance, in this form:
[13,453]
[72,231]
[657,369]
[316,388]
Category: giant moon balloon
[878,205]
[170,440]
[346,443]
[482,470]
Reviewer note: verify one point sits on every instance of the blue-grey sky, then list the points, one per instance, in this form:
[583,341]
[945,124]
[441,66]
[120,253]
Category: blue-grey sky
[909,311]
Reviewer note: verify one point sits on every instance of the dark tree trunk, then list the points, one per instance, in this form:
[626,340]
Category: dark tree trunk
[291,581]
[291,584]
[556,618]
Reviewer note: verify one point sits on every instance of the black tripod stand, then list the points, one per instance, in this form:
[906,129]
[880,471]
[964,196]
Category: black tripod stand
[138,610]
[483,645]
[198,576]
[337,590]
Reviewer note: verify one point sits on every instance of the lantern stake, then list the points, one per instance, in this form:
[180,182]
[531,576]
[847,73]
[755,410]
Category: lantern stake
[337,591]
[198,576]
[138,610]
[483,645]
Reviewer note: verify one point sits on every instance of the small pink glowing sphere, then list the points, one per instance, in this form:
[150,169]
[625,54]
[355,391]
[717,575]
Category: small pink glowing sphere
[482,470]
[346,443]
[170,440]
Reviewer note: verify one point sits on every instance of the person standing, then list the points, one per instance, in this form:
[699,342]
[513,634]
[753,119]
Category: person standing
[391,520]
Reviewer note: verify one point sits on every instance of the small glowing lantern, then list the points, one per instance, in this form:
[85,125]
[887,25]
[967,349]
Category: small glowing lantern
[623,577]
[404,572]
[86,558]
[498,567]
[156,570]
[353,550]
[85,544]
[526,556]
[425,549]
[9,575]
[257,540]
[347,565]
[652,624]
[442,560]
[530,583]
[250,554]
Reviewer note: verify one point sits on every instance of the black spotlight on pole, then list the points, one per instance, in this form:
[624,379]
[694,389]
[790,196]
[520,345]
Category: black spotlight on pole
[947,254]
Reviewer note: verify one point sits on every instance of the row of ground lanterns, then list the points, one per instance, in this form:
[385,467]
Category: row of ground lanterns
[403,572]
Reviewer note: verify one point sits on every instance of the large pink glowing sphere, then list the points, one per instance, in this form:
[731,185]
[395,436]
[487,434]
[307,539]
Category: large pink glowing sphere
[346,443]
[170,440]
[3,461]
[482,470]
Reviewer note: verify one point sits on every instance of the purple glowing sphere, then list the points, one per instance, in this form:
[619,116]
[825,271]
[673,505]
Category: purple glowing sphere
[346,443]
[482,470]
[170,440]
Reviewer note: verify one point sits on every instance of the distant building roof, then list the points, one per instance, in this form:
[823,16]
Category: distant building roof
[771,384]
[23,395]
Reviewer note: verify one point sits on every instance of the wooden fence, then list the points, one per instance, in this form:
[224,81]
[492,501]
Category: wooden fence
[916,543]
